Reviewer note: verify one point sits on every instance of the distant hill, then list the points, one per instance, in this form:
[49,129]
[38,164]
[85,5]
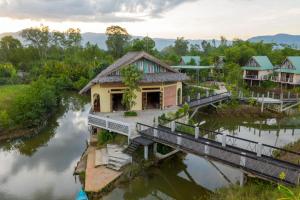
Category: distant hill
[100,38]
[293,40]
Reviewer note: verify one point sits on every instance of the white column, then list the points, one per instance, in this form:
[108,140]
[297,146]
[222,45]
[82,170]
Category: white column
[173,126]
[259,149]
[242,179]
[155,133]
[198,96]
[188,98]
[206,148]
[197,131]
[224,140]
[243,160]
[262,103]
[179,139]
[146,149]
[207,93]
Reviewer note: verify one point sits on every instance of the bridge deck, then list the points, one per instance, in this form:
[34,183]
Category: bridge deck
[262,166]
[208,100]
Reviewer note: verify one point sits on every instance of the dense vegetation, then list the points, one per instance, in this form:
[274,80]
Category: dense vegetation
[52,61]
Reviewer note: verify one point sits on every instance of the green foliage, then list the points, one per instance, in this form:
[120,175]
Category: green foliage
[130,77]
[4,120]
[130,114]
[105,136]
[117,40]
[7,73]
[80,83]
[181,46]
[268,84]
[146,44]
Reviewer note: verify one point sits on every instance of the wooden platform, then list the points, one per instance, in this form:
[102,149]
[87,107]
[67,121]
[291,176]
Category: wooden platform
[97,178]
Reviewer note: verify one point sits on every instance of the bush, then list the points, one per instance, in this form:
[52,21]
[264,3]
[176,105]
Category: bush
[4,120]
[130,114]
[105,136]
[80,83]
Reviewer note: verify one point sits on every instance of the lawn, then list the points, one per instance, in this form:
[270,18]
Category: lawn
[8,93]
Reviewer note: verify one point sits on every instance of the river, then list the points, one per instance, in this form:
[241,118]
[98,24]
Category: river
[41,166]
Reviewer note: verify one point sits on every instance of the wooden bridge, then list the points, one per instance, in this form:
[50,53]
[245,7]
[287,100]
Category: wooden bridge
[254,158]
[279,103]
[200,102]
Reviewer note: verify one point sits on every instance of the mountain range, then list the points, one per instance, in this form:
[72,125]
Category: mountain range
[100,38]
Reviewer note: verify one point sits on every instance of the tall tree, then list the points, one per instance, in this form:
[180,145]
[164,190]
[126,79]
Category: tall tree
[10,50]
[38,38]
[73,38]
[146,44]
[117,40]
[181,46]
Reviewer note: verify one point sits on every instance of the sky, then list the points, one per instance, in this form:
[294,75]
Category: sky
[192,19]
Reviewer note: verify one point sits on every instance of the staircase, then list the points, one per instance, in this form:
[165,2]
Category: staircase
[116,158]
[132,147]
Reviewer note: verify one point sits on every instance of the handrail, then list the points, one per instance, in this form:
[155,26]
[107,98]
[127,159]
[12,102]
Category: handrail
[211,96]
[218,145]
[243,139]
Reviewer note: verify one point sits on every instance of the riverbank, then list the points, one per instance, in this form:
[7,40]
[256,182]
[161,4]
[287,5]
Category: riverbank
[254,189]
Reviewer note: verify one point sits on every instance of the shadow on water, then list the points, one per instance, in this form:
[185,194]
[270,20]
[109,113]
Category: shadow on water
[41,166]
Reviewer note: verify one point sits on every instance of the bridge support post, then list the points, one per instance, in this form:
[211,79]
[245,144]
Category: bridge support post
[273,95]
[259,149]
[146,149]
[206,148]
[188,98]
[242,179]
[262,103]
[173,126]
[197,131]
[199,96]
[281,102]
[289,94]
[268,94]
[257,96]
[155,133]
[207,93]
[179,139]
[224,140]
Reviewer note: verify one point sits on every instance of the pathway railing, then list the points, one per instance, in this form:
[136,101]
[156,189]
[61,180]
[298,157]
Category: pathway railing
[208,100]
[260,149]
[263,166]
[109,124]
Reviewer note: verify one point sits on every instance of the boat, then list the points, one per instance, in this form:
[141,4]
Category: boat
[81,195]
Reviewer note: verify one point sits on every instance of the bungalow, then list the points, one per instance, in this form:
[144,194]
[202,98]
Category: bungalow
[258,68]
[289,71]
[160,86]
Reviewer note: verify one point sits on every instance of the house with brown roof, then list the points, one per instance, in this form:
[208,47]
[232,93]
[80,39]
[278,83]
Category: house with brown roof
[160,85]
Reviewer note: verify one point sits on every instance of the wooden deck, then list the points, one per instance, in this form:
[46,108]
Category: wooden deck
[97,178]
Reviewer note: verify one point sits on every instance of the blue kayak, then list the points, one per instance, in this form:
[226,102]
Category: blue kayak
[81,195]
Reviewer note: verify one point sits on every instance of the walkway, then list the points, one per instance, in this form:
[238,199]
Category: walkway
[97,178]
[252,157]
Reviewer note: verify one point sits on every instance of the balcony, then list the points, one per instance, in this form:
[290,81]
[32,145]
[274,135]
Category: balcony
[287,80]
[255,77]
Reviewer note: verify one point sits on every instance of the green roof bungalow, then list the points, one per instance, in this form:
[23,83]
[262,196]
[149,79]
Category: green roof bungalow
[190,60]
[257,69]
[289,71]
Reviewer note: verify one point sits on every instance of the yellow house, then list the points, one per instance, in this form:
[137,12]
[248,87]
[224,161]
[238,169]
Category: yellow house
[160,86]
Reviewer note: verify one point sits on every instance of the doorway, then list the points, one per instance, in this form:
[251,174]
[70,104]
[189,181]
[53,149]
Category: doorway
[151,100]
[117,102]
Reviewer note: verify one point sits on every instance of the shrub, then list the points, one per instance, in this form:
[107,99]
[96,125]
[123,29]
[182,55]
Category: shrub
[105,136]
[4,120]
[80,83]
[130,114]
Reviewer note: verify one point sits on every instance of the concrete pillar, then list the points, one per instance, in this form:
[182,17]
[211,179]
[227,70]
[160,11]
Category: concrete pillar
[155,133]
[259,149]
[268,94]
[207,93]
[206,148]
[243,160]
[257,95]
[188,98]
[224,140]
[273,95]
[281,102]
[155,148]
[179,139]
[242,179]
[197,131]
[289,95]
[262,103]
[173,126]
[146,149]
[199,96]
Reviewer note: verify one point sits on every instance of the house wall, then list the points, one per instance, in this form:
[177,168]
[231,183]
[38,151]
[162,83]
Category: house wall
[105,91]
[297,79]
[263,73]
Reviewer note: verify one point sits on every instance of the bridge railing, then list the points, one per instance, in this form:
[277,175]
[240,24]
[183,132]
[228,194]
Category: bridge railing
[109,124]
[261,166]
[259,148]
[207,100]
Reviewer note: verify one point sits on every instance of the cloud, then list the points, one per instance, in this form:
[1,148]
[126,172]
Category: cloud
[87,10]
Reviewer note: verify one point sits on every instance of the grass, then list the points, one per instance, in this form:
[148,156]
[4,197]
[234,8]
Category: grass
[130,114]
[9,93]
[253,190]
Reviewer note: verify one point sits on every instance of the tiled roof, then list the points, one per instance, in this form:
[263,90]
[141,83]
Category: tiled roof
[263,62]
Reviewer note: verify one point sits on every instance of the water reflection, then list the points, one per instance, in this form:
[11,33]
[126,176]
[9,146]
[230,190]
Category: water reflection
[41,167]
